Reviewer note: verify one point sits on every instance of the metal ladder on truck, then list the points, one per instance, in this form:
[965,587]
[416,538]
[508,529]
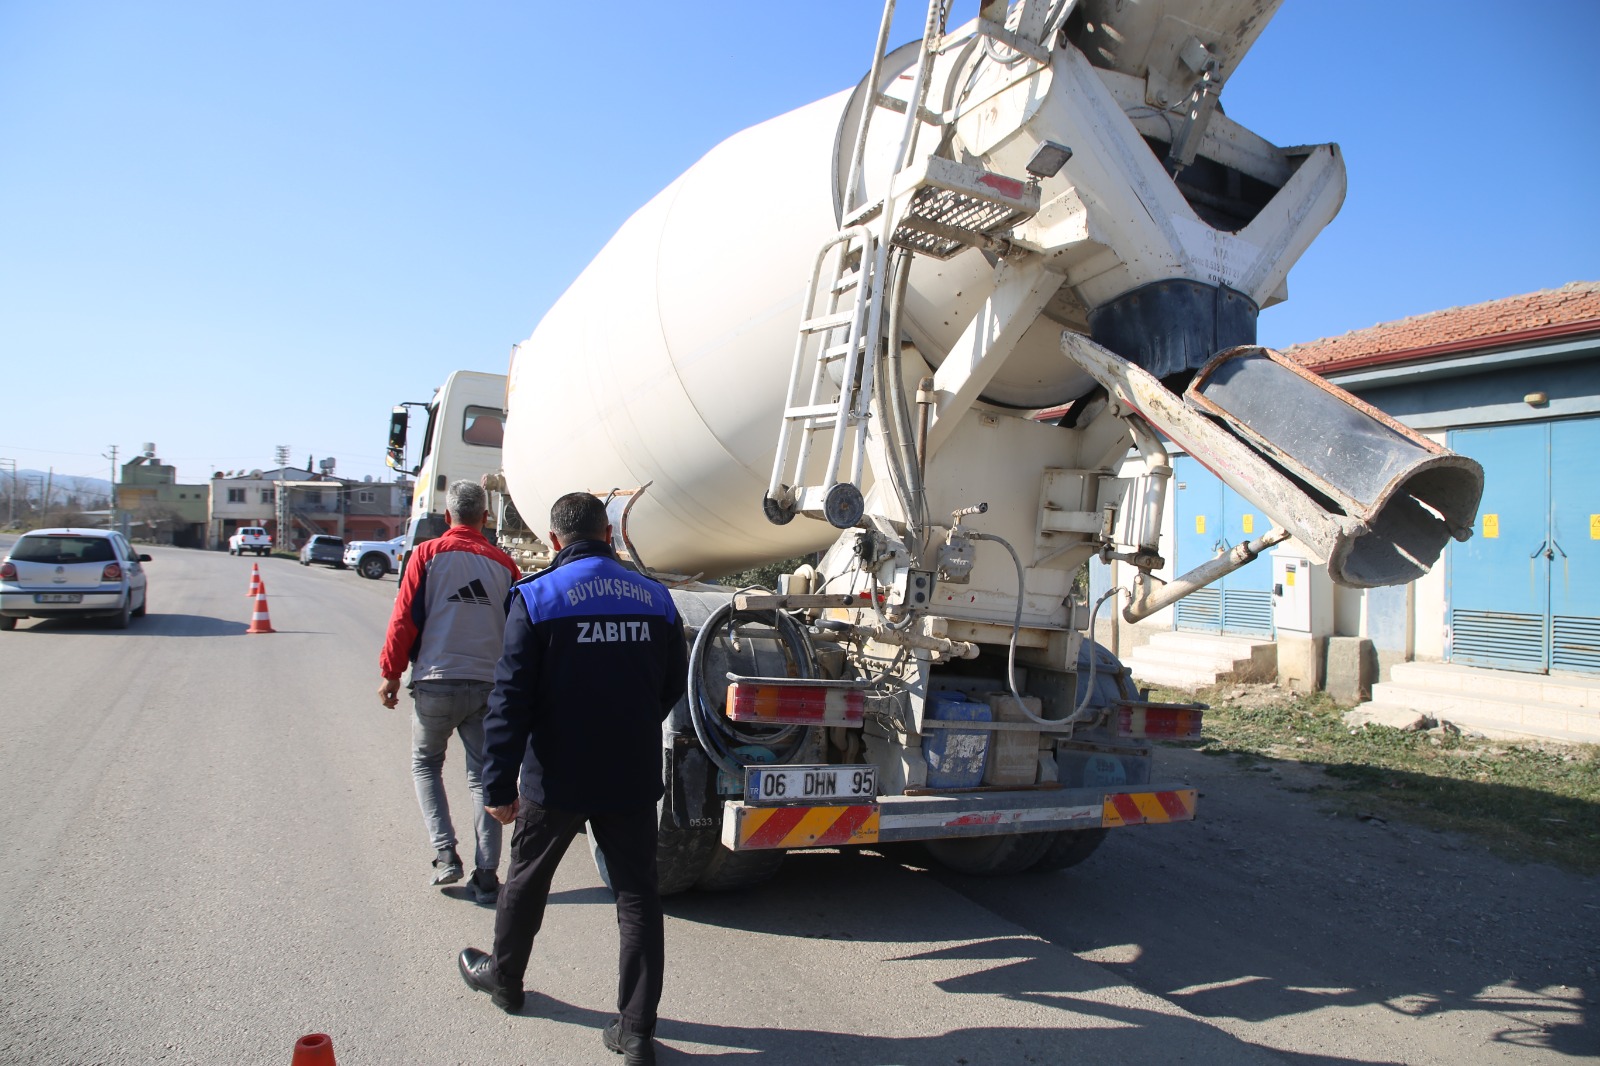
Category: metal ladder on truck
[933,206]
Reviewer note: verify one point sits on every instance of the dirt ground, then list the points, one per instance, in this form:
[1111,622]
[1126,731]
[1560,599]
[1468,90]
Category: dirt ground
[1331,937]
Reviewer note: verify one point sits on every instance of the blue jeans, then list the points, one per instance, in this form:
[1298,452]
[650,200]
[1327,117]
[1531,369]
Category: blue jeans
[439,709]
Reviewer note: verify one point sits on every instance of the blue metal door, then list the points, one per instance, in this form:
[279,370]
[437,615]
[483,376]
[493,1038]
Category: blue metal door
[1247,592]
[1574,546]
[1210,518]
[1525,590]
[1197,516]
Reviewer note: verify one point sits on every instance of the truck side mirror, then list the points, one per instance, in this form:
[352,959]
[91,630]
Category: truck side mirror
[399,420]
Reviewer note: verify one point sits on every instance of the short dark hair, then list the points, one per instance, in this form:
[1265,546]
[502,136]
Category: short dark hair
[579,516]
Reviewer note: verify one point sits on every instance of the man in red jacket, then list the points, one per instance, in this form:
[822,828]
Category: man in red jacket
[449,624]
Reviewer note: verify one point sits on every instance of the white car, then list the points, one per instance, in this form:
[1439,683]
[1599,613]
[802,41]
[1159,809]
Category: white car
[250,539]
[374,558]
[72,573]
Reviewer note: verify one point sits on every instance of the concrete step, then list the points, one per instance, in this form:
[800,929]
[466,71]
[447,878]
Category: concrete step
[1221,643]
[1162,676]
[1571,690]
[1493,714]
[1226,657]
[1198,660]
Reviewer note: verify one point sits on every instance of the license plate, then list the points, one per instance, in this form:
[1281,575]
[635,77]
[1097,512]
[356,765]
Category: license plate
[58,597]
[766,785]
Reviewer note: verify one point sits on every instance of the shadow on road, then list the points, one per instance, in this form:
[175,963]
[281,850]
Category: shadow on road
[151,625]
[1257,936]
[1126,1035]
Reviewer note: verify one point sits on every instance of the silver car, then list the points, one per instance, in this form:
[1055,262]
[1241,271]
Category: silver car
[72,573]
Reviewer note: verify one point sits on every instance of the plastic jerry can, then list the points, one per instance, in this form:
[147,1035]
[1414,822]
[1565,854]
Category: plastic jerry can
[1013,754]
[956,758]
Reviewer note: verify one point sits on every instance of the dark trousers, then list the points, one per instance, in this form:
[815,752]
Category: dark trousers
[628,841]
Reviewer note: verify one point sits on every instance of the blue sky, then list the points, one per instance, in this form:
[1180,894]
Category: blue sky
[225,227]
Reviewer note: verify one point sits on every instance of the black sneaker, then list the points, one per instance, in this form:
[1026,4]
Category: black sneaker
[477,970]
[484,885]
[446,867]
[636,1049]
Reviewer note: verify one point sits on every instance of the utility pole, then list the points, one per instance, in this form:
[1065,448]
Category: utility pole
[280,498]
[111,522]
[11,492]
[49,487]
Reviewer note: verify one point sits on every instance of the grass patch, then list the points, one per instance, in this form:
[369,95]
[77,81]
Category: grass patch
[1525,800]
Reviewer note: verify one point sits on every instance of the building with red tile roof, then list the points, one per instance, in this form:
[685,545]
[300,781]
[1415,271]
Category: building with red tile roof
[1512,383]
[1570,311]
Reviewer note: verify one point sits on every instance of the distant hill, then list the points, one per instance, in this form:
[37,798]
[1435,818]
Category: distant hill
[62,486]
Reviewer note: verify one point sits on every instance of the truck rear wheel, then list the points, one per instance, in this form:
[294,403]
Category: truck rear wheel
[1068,847]
[731,870]
[991,856]
[681,856]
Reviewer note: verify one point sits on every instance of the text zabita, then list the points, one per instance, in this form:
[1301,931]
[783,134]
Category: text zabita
[609,632]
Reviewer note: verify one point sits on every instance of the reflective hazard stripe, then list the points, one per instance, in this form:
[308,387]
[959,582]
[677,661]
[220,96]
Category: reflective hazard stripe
[806,827]
[1137,808]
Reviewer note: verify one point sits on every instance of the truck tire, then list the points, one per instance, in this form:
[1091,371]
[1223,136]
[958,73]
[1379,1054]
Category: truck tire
[372,566]
[728,871]
[990,856]
[7,623]
[681,856]
[1068,847]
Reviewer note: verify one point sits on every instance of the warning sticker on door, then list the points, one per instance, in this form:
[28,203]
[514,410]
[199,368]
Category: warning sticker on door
[1594,527]
[1249,523]
[1199,523]
[1491,526]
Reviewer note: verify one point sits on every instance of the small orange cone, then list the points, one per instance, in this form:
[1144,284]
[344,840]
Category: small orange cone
[255,580]
[259,622]
[313,1050]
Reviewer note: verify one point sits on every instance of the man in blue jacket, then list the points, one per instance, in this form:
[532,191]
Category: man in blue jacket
[594,659]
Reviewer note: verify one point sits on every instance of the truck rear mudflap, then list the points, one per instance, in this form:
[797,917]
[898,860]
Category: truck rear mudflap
[749,827]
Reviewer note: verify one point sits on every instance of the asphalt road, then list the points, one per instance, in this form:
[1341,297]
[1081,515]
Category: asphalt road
[213,848]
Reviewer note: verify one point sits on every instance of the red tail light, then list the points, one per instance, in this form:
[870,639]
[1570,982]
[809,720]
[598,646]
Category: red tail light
[1180,721]
[8,571]
[794,704]
[112,572]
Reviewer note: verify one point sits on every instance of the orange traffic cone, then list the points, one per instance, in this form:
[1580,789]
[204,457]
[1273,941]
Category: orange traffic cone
[255,580]
[313,1050]
[259,622]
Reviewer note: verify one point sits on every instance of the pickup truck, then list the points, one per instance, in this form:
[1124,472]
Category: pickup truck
[250,539]
[374,558]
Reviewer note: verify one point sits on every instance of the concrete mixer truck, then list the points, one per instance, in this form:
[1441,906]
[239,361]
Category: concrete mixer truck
[834,335]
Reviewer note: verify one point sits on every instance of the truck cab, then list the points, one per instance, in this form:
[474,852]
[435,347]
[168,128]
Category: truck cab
[465,424]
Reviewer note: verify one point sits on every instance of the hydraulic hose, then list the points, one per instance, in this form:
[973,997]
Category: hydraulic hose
[701,715]
[904,447]
[1077,714]
[892,416]
[1016,629]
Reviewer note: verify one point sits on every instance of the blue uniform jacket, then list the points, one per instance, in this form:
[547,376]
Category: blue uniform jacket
[594,658]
